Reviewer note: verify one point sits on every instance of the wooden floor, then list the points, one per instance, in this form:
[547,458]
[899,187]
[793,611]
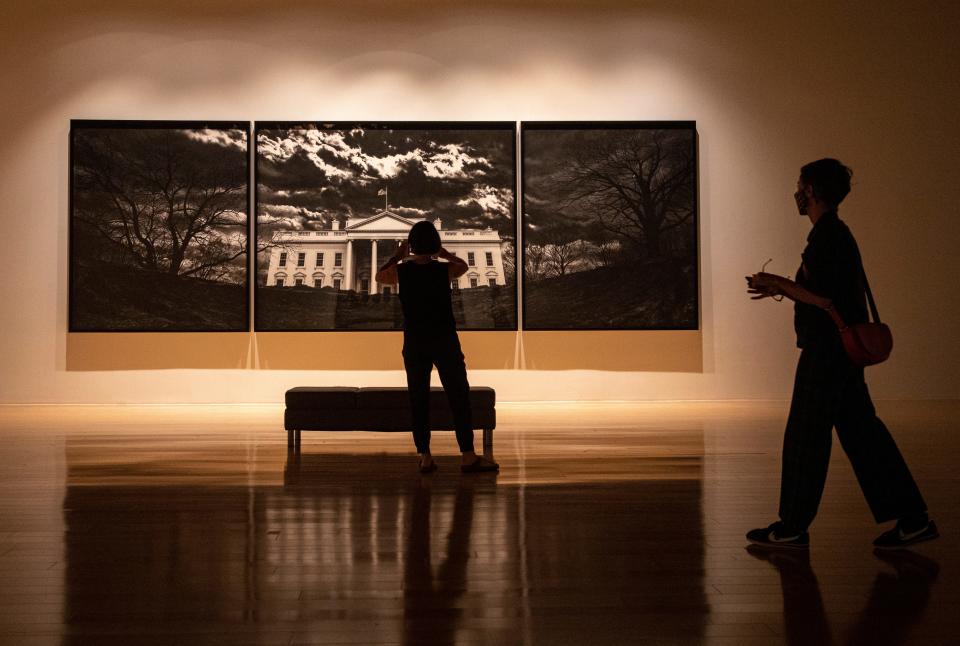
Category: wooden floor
[609,524]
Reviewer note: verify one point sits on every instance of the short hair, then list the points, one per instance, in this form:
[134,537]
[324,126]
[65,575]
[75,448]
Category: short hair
[829,178]
[424,238]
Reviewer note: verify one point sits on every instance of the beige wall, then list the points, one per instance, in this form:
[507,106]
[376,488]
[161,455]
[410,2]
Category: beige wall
[769,87]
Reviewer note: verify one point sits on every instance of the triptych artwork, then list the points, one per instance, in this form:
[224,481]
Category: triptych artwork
[163,235]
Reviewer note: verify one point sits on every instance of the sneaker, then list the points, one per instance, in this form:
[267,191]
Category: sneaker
[775,536]
[896,538]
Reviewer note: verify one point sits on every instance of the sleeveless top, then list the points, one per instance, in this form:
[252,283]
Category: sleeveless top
[425,297]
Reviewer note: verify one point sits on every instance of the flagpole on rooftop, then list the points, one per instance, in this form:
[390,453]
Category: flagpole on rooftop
[385,192]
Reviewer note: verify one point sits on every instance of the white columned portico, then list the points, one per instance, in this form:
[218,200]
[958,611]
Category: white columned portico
[348,277]
[373,266]
[387,228]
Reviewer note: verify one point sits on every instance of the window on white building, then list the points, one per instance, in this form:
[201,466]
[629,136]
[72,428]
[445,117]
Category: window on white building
[489,255]
[283,259]
[320,259]
[455,285]
[298,282]
[364,284]
[473,282]
[492,282]
[301,259]
[338,260]
[279,282]
[471,258]
[318,282]
[336,283]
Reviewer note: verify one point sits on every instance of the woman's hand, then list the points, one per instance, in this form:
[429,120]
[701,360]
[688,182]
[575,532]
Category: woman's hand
[402,251]
[764,285]
[456,266]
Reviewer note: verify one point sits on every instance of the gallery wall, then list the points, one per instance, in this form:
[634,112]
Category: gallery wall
[769,88]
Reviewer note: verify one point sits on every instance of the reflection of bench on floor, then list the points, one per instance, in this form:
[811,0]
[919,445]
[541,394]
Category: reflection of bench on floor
[378,409]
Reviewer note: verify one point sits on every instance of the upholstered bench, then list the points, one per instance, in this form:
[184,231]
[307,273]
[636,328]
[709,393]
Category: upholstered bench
[378,409]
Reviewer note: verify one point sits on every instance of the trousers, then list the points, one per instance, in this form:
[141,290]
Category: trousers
[420,353]
[830,392]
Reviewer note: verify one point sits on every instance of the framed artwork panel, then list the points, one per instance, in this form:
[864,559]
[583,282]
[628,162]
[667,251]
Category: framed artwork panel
[609,216]
[159,226]
[334,200]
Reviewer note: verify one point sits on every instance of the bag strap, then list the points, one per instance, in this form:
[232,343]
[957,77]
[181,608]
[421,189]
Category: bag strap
[832,311]
[866,285]
[870,301]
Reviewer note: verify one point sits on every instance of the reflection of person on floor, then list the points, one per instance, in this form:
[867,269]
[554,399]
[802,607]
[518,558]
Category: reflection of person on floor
[897,601]
[804,619]
[430,339]
[829,390]
[431,614]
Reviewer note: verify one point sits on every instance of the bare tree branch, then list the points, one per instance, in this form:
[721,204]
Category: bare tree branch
[636,184]
[166,201]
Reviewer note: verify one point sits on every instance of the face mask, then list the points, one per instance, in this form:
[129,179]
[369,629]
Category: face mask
[801,199]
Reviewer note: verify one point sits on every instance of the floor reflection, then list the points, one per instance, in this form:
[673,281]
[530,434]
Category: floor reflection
[616,524]
[805,621]
[359,548]
[432,609]
[897,599]
[896,603]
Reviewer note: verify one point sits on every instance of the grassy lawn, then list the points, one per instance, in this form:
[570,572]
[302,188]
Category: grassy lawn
[307,308]
[656,295]
[117,297]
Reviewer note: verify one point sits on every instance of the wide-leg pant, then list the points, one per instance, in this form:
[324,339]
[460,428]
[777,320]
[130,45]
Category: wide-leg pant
[829,391]
[420,353]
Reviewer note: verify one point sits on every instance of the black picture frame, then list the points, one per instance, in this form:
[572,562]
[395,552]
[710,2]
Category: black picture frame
[509,292]
[690,319]
[239,320]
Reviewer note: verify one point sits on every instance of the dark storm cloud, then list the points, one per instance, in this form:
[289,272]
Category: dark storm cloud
[557,162]
[464,177]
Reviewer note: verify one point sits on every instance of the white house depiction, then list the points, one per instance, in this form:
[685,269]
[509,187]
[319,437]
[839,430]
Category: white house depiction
[348,258]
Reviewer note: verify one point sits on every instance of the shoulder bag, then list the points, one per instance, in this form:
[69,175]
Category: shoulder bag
[866,344]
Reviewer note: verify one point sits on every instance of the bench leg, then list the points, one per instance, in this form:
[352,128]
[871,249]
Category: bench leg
[487,441]
[296,439]
[289,439]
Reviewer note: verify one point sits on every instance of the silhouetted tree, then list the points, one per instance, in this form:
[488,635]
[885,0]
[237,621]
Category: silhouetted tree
[638,184]
[168,203]
[509,260]
[536,261]
[562,255]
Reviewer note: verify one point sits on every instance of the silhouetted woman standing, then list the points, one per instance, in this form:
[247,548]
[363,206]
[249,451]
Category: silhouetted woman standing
[430,339]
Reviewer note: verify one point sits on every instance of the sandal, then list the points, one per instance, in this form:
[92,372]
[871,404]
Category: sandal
[428,469]
[480,465]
